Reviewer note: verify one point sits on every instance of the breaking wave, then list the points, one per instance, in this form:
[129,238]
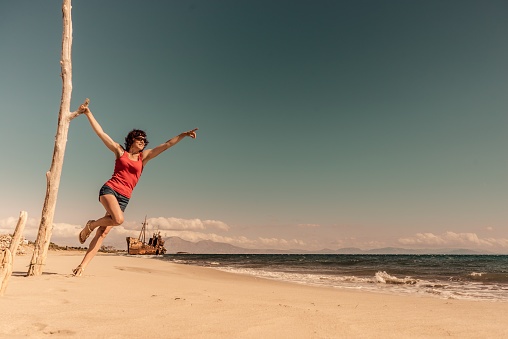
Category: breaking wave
[446,277]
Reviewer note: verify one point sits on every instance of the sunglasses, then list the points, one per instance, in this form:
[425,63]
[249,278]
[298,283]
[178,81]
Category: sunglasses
[142,139]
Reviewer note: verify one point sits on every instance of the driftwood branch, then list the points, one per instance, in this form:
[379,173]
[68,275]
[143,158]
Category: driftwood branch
[18,232]
[5,269]
[74,114]
[53,175]
[7,256]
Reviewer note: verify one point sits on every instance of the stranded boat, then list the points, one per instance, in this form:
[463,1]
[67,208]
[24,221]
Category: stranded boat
[139,246]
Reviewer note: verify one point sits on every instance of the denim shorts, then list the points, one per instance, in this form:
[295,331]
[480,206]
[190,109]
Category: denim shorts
[122,199]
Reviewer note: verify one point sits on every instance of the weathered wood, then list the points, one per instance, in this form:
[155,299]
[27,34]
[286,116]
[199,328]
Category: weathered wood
[18,232]
[53,175]
[7,256]
[78,112]
[5,269]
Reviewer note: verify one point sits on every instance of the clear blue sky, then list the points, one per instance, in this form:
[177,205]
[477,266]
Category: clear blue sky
[321,123]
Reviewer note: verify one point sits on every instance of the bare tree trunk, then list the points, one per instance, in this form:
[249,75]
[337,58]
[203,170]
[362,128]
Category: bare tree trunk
[53,176]
[7,256]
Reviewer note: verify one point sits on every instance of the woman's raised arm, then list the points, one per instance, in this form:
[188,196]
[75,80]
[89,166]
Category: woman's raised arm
[106,139]
[152,153]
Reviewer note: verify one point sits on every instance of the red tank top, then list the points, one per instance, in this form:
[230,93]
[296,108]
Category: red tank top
[126,174]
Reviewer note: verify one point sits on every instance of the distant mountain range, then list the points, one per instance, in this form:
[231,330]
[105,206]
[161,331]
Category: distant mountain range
[176,244]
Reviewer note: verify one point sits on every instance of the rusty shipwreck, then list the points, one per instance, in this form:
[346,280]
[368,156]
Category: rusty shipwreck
[139,246]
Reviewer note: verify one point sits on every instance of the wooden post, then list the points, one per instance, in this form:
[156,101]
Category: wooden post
[7,256]
[53,176]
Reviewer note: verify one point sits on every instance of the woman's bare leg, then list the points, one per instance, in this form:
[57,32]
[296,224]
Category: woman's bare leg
[113,217]
[114,214]
[95,245]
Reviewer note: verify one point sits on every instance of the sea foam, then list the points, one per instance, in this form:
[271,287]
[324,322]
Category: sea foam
[385,278]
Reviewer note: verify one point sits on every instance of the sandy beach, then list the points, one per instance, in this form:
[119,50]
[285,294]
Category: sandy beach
[130,297]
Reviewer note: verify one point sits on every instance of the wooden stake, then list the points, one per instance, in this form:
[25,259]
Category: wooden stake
[7,256]
[53,175]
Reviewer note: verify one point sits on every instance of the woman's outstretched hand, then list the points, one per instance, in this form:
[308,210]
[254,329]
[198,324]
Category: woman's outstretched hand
[152,153]
[83,109]
[191,134]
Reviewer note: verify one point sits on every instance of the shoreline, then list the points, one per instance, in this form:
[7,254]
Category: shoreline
[121,296]
[450,278]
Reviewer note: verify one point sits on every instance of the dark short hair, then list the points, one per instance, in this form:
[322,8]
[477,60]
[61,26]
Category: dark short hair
[129,139]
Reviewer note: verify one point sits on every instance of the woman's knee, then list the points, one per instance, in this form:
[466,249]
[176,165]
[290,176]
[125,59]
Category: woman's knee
[117,219]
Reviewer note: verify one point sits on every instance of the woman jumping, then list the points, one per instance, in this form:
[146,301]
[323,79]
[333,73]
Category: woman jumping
[116,192]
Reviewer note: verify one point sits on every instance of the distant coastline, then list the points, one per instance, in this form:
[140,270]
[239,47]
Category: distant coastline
[176,245]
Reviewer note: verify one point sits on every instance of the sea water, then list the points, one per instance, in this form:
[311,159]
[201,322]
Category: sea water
[471,277]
